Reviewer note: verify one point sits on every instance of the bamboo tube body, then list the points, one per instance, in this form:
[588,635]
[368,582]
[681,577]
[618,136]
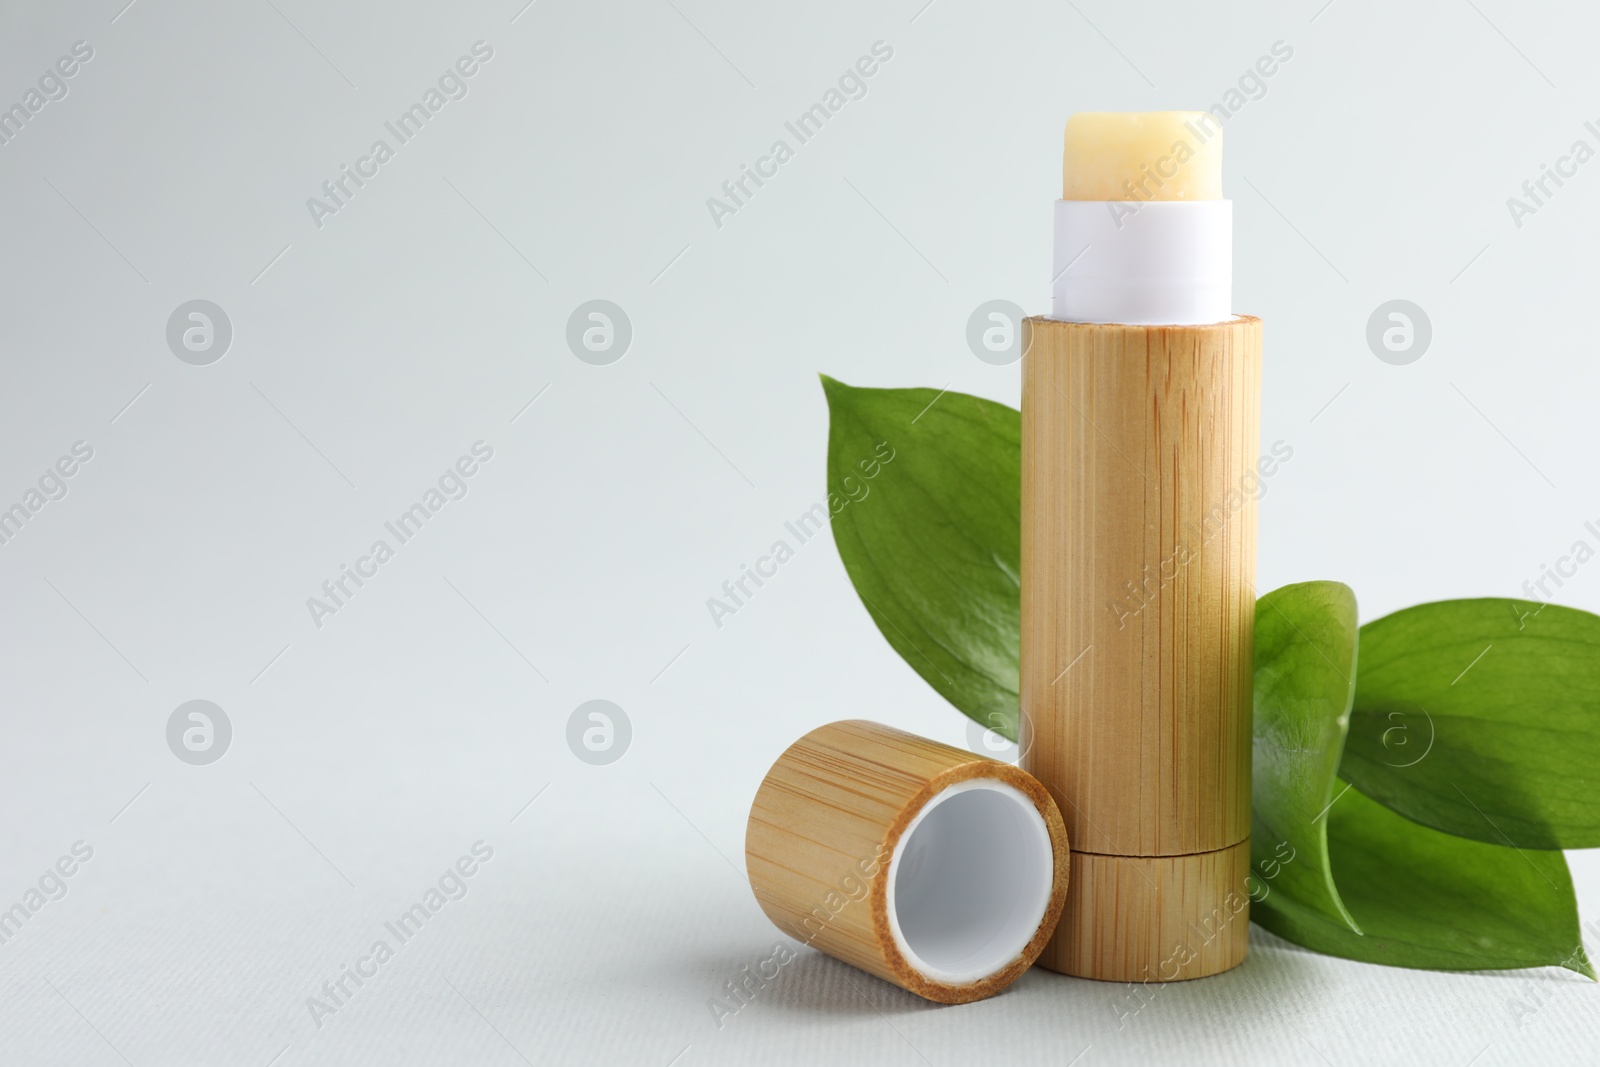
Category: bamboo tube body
[1139,477]
[822,841]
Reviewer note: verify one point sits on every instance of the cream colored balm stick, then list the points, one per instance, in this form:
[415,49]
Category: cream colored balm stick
[1140,435]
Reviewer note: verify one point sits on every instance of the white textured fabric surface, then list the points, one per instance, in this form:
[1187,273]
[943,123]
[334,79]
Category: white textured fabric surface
[599,932]
[376,741]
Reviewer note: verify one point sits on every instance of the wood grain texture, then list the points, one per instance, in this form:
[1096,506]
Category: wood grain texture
[824,826]
[1140,447]
[1154,919]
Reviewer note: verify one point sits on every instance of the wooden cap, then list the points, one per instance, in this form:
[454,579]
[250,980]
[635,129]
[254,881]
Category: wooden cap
[933,868]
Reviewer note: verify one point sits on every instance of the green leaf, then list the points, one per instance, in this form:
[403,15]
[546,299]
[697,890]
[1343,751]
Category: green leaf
[1482,718]
[1305,670]
[933,541]
[1432,900]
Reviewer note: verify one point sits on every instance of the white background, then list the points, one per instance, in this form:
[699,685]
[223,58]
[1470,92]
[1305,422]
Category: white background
[369,753]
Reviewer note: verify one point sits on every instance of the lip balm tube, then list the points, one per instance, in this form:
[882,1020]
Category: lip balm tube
[1140,436]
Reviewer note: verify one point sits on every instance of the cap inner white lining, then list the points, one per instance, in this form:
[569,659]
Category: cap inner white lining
[969,881]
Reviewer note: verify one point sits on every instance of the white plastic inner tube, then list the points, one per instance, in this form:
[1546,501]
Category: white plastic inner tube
[1143,263]
[969,881]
